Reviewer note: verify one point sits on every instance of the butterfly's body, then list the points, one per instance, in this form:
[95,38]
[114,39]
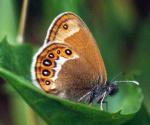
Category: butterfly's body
[69,64]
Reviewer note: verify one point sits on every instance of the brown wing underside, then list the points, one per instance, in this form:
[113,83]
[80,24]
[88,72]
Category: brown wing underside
[78,36]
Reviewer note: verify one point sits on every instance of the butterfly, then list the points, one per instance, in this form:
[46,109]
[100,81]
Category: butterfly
[69,64]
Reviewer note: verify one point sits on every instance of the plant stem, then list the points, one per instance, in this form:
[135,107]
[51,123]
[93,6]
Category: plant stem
[20,36]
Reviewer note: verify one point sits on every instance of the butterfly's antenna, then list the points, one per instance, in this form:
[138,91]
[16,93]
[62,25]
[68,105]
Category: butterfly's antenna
[135,82]
[116,76]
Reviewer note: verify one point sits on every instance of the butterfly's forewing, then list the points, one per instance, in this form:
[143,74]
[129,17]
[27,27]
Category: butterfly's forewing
[69,28]
[71,76]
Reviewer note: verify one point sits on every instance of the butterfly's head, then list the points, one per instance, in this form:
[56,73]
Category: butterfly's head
[112,88]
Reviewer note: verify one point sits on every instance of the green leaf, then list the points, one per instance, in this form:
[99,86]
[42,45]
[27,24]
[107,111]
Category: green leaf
[58,111]
[15,63]
[16,58]
[8,21]
[141,118]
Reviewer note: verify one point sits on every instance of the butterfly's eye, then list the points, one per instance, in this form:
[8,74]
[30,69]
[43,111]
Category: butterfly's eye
[65,26]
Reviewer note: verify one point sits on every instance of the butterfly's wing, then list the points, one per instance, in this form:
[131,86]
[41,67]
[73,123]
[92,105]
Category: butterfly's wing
[69,28]
[69,76]
[59,69]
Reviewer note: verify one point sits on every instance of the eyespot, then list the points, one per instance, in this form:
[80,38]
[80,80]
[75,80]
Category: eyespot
[65,26]
[58,51]
[47,82]
[46,72]
[68,51]
[51,55]
[47,62]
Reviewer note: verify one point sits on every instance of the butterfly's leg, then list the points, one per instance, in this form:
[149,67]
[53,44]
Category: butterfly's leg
[102,100]
[84,96]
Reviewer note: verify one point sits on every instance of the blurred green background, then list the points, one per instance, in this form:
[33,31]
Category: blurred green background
[121,28]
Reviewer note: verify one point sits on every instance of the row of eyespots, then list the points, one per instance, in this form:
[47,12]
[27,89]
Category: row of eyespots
[47,62]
